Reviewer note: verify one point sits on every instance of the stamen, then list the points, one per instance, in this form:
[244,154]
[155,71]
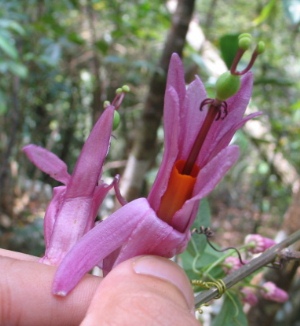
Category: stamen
[213,113]
[120,94]
[244,44]
[228,84]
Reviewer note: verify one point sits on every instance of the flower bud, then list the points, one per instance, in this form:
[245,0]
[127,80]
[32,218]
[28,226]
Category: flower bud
[231,264]
[227,85]
[260,48]
[271,292]
[249,296]
[257,243]
[244,41]
[116,120]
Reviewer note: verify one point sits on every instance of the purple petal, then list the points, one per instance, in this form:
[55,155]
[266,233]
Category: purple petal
[191,118]
[51,212]
[70,225]
[175,77]
[171,127]
[208,178]
[89,164]
[223,141]
[47,162]
[152,236]
[98,197]
[135,227]
[98,243]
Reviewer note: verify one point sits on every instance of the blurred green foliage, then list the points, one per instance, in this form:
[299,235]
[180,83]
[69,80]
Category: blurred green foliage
[60,60]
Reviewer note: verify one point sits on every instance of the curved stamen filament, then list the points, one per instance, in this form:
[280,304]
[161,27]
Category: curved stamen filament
[212,113]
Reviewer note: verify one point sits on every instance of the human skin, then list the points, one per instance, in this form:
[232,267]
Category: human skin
[145,290]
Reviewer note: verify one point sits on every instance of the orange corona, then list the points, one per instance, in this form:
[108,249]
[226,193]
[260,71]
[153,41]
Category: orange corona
[180,189]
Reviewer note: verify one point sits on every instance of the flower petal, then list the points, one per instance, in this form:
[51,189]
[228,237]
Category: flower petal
[97,244]
[171,127]
[191,118]
[151,236]
[208,178]
[223,141]
[47,162]
[69,227]
[175,77]
[89,164]
[134,227]
[51,212]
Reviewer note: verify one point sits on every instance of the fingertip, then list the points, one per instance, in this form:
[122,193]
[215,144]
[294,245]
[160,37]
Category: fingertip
[145,290]
[166,270]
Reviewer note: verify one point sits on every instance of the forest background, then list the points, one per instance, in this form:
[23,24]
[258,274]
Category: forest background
[59,61]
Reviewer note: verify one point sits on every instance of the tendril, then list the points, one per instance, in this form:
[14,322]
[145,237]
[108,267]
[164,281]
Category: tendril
[209,234]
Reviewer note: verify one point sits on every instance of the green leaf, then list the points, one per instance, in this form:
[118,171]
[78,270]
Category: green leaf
[12,25]
[15,68]
[265,13]
[8,48]
[232,313]
[228,47]
[18,69]
[204,215]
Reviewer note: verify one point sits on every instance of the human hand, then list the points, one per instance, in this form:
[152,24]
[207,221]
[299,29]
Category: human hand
[144,290]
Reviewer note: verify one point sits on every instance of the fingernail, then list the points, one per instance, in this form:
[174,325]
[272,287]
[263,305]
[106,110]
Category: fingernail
[167,271]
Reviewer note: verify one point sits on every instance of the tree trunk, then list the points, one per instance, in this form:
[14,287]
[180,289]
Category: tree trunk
[144,149]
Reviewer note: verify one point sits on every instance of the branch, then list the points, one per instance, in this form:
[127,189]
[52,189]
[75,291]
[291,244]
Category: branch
[265,258]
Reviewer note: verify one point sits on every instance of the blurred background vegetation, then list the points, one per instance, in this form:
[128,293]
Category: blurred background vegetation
[59,60]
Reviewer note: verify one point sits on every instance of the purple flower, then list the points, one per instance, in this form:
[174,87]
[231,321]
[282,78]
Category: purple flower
[74,206]
[270,291]
[249,296]
[231,264]
[257,243]
[196,157]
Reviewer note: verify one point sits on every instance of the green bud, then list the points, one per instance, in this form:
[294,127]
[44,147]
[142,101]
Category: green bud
[260,48]
[247,35]
[126,89]
[117,120]
[227,85]
[245,40]
[106,104]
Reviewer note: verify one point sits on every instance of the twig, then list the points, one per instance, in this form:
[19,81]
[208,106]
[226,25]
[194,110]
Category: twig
[265,258]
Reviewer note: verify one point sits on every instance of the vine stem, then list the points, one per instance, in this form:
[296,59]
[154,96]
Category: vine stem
[265,258]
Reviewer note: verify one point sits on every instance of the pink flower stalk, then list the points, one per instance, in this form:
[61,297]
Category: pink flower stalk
[270,291]
[257,243]
[231,264]
[249,296]
[196,157]
[74,206]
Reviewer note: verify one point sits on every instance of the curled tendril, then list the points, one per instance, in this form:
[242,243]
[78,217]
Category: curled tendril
[209,234]
[219,284]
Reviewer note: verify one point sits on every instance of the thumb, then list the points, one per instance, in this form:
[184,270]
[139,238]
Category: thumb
[146,290]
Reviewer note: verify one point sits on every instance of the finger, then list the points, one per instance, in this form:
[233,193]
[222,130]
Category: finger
[17,255]
[26,299]
[147,290]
